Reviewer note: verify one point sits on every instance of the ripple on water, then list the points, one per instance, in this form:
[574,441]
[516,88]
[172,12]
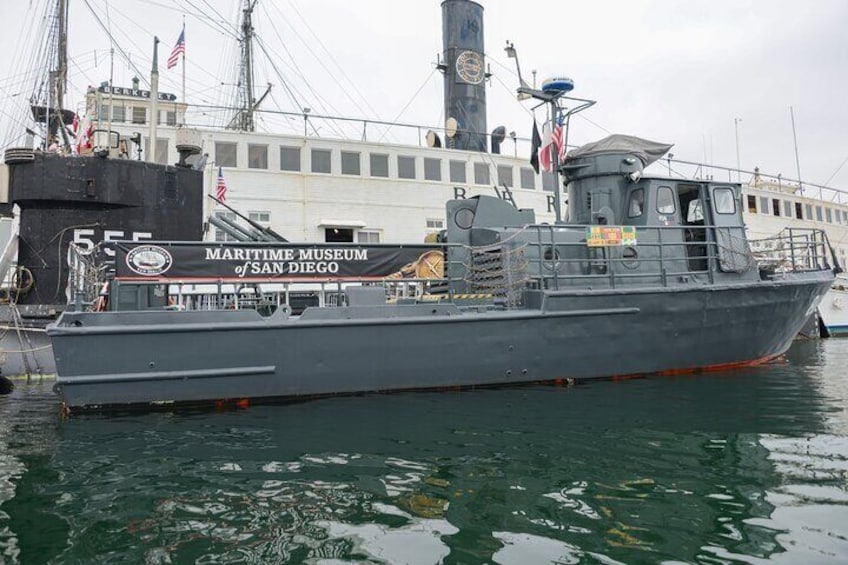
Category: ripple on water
[736,467]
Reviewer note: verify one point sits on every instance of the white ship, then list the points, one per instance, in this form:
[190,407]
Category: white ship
[772,204]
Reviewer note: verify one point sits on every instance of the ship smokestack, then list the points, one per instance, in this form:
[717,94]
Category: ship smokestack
[465,73]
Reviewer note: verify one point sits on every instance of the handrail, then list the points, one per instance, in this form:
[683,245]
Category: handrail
[553,258]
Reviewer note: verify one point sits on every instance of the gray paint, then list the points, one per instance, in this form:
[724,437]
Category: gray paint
[118,357]
[581,312]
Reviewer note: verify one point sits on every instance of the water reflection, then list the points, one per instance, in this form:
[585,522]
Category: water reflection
[735,467]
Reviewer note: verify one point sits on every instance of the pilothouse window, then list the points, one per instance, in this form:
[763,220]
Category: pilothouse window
[724,201]
[665,200]
[637,203]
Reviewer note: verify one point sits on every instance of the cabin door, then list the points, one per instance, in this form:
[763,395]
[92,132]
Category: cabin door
[692,204]
[729,231]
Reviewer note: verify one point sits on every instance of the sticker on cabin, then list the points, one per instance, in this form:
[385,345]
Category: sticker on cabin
[149,260]
[610,236]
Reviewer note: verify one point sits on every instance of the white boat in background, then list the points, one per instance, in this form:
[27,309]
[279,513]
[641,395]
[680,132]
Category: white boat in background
[834,308]
[772,204]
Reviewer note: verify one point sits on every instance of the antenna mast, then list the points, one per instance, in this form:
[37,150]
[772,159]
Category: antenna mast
[551,96]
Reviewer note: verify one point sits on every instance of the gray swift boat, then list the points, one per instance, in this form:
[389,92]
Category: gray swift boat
[647,275]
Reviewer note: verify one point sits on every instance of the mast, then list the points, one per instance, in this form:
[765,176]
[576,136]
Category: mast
[552,94]
[57,76]
[62,55]
[245,120]
[154,101]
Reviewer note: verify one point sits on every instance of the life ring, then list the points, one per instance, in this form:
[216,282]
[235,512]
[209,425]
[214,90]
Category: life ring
[22,281]
[837,302]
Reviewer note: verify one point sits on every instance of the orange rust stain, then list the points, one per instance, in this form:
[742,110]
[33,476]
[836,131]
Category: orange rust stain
[719,367]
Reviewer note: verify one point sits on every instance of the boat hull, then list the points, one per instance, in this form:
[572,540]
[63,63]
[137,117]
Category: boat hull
[834,310]
[122,358]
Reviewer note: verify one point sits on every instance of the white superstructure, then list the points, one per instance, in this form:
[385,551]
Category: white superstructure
[311,188]
[770,206]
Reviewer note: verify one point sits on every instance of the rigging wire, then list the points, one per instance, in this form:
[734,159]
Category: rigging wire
[113,42]
[323,103]
[220,25]
[839,168]
[332,59]
[411,100]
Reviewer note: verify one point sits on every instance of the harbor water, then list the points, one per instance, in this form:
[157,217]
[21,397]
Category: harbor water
[744,466]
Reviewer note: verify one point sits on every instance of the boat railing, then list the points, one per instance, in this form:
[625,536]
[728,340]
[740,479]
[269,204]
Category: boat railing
[537,257]
[559,257]
[794,249]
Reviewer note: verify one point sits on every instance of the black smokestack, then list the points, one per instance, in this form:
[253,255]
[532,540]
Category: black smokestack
[465,72]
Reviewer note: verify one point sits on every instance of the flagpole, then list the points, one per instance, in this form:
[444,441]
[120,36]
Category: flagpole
[184,66]
[555,162]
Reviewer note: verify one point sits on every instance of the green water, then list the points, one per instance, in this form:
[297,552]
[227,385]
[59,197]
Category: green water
[737,467]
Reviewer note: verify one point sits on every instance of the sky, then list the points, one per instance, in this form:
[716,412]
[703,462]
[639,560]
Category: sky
[719,79]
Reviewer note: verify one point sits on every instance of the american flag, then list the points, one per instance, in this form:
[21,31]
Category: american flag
[557,138]
[179,49]
[221,186]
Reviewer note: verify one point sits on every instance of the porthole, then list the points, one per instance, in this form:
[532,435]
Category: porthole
[464,218]
[630,258]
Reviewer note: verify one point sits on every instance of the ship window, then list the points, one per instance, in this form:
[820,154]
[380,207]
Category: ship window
[528,178]
[435,225]
[481,174]
[798,210]
[351,163]
[764,205]
[257,156]
[752,204]
[260,217]
[787,208]
[457,172]
[829,215]
[139,115]
[432,169]
[103,115]
[119,113]
[775,206]
[549,182]
[406,167]
[321,160]
[844,217]
[225,154]
[505,176]
[665,200]
[379,165]
[724,201]
[819,213]
[368,236]
[637,203]
[171,118]
[289,158]
[808,208]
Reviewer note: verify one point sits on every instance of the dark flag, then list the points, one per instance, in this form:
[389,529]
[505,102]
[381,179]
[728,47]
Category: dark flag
[536,143]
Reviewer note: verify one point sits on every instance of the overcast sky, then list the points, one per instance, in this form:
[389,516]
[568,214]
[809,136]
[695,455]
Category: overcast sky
[691,73]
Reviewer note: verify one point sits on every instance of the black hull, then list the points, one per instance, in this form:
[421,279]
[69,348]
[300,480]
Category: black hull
[91,199]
